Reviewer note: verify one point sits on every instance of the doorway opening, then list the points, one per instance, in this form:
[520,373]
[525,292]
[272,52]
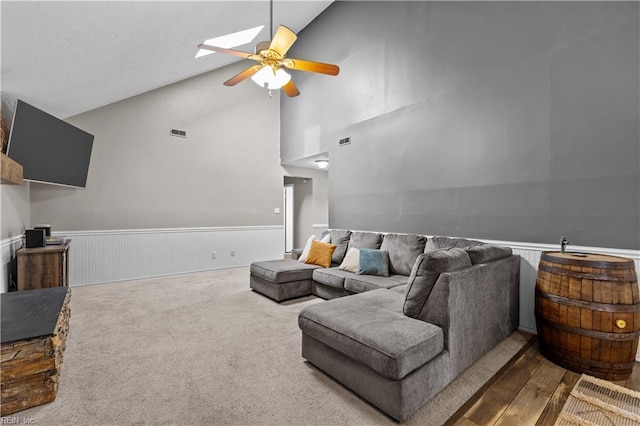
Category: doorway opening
[288,217]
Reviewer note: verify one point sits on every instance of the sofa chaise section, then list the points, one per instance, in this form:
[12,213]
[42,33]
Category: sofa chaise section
[473,303]
[366,342]
[281,279]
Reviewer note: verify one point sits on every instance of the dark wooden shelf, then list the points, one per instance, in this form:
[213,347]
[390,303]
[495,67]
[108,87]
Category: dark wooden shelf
[11,171]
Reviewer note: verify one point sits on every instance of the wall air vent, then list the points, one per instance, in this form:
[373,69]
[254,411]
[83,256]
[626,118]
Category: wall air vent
[345,141]
[179,133]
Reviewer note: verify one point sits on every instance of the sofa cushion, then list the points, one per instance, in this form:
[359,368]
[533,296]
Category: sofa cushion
[438,243]
[400,289]
[373,262]
[282,270]
[483,252]
[351,260]
[403,250]
[371,329]
[426,272]
[362,283]
[340,238]
[370,240]
[296,253]
[332,277]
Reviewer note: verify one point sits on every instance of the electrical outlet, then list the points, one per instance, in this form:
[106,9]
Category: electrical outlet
[213,254]
[233,253]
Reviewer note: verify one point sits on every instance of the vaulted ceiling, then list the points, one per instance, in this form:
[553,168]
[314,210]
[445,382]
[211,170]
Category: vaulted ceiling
[68,57]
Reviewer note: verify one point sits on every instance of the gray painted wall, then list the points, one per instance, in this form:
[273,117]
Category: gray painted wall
[225,173]
[506,120]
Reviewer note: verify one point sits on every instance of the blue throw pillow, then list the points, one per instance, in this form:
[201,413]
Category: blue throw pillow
[373,262]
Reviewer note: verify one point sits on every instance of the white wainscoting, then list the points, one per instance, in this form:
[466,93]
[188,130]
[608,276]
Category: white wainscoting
[8,249]
[106,256]
[118,255]
[529,259]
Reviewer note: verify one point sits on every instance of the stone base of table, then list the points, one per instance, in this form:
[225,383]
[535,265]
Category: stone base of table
[30,368]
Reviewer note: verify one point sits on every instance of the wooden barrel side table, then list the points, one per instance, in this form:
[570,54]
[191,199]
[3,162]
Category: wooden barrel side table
[587,309]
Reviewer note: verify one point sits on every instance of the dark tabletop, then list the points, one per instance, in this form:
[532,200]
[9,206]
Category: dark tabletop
[31,313]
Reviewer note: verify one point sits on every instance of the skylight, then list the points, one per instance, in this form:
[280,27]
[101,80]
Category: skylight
[231,40]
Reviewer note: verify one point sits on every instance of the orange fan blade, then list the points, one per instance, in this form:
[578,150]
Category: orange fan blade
[243,75]
[227,51]
[282,40]
[290,89]
[319,67]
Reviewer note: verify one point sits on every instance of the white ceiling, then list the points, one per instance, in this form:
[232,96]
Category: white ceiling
[68,57]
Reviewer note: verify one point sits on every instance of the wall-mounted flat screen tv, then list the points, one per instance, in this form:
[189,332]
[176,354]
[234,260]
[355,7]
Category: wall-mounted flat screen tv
[50,150]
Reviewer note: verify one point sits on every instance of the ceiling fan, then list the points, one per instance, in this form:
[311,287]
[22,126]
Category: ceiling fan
[270,55]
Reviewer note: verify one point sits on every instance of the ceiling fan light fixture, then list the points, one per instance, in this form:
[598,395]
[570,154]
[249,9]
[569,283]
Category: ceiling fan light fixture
[322,164]
[266,78]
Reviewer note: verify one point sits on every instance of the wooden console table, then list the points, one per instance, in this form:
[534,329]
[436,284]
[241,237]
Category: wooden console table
[43,267]
[34,331]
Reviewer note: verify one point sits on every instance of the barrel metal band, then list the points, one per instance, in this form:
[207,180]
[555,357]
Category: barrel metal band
[569,273]
[602,335]
[594,363]
[594,306]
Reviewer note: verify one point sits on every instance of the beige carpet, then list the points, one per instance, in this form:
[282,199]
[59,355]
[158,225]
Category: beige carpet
[204,349]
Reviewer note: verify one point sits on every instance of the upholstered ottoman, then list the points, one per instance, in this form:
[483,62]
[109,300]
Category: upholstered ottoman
[282,279]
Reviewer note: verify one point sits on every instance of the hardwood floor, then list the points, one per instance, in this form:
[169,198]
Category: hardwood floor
[530,390]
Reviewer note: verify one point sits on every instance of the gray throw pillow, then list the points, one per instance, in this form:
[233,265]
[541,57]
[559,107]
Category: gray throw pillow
[373,262]
[426,272]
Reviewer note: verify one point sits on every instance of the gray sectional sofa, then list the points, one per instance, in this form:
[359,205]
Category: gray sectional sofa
[398,340]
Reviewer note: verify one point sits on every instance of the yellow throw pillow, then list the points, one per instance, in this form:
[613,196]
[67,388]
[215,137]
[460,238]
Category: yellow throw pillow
[320,253]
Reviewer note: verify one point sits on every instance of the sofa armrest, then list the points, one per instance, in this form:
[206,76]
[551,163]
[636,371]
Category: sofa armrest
[476,308]
[295,253]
